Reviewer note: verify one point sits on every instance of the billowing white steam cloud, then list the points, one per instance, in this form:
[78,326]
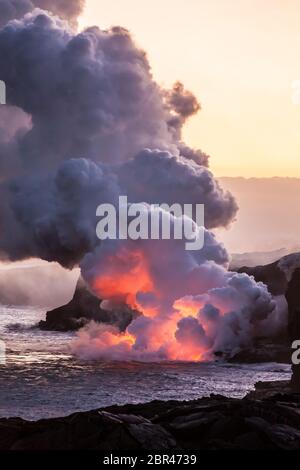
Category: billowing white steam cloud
[89,124]
[155,176]
[191,305]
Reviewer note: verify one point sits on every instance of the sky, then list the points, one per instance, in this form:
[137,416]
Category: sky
[240,58]
[268,218]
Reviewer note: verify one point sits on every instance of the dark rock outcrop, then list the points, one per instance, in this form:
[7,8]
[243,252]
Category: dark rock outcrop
[264,350]
[83,308]
[270,389]
[207,423]
[271,275]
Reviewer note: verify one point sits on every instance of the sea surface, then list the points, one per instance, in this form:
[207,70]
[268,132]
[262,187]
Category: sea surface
[39,378]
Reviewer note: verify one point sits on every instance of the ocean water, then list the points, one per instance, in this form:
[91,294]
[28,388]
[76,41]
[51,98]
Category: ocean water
[39,378]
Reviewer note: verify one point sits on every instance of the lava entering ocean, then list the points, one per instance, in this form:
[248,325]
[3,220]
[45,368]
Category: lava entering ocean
[85,123]
[190,306]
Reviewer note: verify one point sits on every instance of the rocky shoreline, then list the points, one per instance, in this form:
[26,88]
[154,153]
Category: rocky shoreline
[268,418]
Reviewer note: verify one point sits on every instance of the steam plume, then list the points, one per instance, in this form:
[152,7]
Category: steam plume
[88,95]
[90,123]
[191,305]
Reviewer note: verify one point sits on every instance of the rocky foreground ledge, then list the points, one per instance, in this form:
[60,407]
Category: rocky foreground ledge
[207,423]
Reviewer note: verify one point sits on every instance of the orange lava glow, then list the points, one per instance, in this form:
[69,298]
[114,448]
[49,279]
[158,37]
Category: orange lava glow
[123,284]
[126,274]
[188,307]
[110,338]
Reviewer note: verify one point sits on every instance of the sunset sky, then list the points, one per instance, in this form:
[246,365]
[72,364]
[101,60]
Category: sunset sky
[240,57]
